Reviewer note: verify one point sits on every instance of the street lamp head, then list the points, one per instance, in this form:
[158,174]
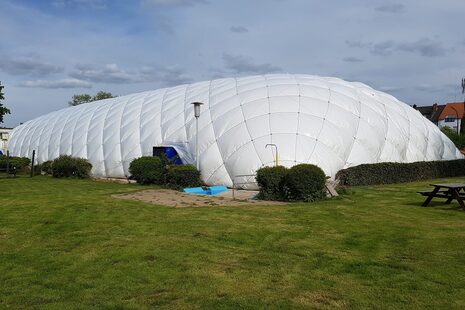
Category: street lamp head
[197,108]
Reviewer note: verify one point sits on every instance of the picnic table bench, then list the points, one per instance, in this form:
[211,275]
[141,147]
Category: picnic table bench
[449,191]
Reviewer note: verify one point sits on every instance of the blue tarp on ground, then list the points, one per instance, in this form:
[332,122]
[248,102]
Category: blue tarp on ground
[212,190]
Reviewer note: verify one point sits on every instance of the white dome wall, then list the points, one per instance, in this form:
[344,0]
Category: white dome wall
[325,121]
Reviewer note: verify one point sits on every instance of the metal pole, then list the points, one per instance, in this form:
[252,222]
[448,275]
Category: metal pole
[463,116]
[234,187]
[32,163]
[457,121]
[276,147]
[197,115]
[197,143]
[7,162]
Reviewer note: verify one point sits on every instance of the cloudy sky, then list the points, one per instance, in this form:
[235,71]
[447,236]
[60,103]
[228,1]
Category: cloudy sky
[52,49]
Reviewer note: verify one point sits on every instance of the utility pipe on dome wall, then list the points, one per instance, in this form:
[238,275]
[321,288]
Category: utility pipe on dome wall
[276,147]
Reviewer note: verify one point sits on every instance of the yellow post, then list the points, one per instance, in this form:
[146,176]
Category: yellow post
[276,148]
[276,156]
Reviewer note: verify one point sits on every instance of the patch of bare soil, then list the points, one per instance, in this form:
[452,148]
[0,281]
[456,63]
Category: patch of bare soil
[177,199]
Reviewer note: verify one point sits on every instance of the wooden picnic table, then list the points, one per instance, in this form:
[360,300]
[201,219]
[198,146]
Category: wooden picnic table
[449,191]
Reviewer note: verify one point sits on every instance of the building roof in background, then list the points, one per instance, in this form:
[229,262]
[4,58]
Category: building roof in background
[452,109]
[431,112]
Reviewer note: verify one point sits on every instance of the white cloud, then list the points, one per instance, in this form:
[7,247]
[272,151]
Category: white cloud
[395,8]
[27,65]
[110,73]
[424,47]
[239,29]
[173,2]
[145,38]
[62,83]
[113,74]
[352,59]
[241,64]
[85,4]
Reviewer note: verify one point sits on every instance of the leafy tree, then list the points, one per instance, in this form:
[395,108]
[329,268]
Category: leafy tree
[3,110]
[458,139]
[85,98]
[102,95]
[80,99]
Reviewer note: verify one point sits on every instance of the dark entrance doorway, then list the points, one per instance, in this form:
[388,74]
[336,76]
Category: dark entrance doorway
[169,152]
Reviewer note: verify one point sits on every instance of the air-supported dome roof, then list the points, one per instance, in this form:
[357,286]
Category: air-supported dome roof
[320,120]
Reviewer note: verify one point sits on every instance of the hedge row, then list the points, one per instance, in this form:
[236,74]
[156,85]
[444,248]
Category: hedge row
[302,182]
[181,176]
[160,171]
[20,163]
[63,166]
[388,173]
[66,166]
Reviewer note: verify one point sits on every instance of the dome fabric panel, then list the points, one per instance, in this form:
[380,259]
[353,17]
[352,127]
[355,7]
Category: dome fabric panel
[320,120]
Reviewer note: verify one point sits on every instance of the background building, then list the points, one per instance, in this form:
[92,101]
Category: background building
[431,112]
[4,137]
[452,115]
[449,114]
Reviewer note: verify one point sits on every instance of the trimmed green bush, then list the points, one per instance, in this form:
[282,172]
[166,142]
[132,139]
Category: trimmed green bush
[271,183]
[21,163]
[37,169]
[388,173]
[147,170]
[181,176]
[66,166]
[305,182]
[46,167]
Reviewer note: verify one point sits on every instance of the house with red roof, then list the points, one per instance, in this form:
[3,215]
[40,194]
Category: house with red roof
[451,116]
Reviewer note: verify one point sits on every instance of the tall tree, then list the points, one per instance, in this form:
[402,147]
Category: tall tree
[3,110]
[85,98]
[102,95]
[80,99]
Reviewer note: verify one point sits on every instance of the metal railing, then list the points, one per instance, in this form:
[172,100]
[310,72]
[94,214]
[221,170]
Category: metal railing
[235,183]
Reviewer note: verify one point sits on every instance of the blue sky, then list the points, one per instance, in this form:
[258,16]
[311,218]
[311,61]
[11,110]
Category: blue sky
[50,50]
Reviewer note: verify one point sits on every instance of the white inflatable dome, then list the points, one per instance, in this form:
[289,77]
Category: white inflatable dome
[324,121]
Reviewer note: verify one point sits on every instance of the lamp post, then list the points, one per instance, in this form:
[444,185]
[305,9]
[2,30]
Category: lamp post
[197,115]
[457,119]
[276,147]
[462,123]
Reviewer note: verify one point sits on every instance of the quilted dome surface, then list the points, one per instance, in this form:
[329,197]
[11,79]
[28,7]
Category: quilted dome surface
[320,120]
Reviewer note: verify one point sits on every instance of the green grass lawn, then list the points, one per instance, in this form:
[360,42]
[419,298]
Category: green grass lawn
[67,244]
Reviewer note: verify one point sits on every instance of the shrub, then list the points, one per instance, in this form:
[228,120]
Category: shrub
[46,167]
[271,183]
[147,170]
[67,166]
[305,182]
[21,163]
[182,176]
[457,138]
[37,169]
[387,173]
